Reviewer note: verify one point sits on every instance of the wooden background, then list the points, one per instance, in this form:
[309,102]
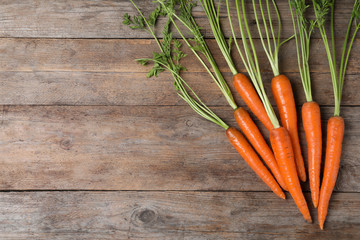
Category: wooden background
[91,149]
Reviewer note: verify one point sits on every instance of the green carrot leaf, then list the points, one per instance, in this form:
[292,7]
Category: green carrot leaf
[136,23]
[142,61]
[322,8]
[127,20]
[356,10]
[154,15]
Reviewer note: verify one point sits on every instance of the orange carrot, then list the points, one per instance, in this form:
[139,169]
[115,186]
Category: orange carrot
[281,144]
[336,125]
[303,30]
[284,98]
[251,158]
[312,126]
[335,134]
[247,92]
[254,136]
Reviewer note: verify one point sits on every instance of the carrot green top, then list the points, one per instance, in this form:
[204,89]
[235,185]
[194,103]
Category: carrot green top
[303,30]
[322,8]
[168,59]
[214,20]
[181,10]
[271,41]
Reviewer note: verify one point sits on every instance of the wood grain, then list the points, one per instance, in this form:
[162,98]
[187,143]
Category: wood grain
[180,178]
[118,55]
[103,72]
[103,18]
[169,215]
[132,89]
[136,148]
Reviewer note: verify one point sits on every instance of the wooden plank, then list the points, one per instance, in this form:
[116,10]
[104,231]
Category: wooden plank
[103,18]
[118,55]
[98,72]
[170,215]
[136,148]
[99,88]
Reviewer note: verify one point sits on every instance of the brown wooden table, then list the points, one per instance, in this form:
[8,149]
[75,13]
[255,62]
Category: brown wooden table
[91,149]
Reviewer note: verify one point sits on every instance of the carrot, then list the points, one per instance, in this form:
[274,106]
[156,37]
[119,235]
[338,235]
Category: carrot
[254,136]
[335,135]
[284,98]
[248,93]
[312,126]
[248,154]
[281,144]
[336,126]
[303,29]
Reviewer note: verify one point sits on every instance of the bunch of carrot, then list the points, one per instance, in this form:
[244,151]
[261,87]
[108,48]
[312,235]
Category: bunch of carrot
[285,160]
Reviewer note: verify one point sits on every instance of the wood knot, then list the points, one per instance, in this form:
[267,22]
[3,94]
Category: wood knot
[144,216]
[66,144]
[147,216]
[189,123]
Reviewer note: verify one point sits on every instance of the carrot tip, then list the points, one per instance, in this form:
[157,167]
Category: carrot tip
[309,220]
[283,196]
[315,197]
[321,226]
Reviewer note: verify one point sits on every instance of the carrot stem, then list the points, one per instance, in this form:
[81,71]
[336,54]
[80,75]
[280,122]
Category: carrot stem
[321,10]
[186,19]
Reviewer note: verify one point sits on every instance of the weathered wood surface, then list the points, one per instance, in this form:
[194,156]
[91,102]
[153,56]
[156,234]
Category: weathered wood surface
[170,215]
[177,176]
[104,72]
[103,18]
[136,148]
[118,55]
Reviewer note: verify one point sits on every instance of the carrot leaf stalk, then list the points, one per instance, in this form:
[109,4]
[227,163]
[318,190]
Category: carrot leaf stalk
[182,11]
[321,9]
[168,59]
[271,41]
[336,125]
[214,19]
[303,30]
